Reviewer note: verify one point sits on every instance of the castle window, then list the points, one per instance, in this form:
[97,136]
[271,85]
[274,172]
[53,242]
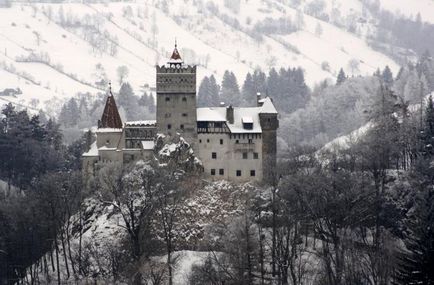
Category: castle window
[255,155]
[221,171]
[212,171]
[169,126]
[238,172]
[214,155]
[167,99]
[200,141]
[221,141]
[107,141]
[184,99]
[207,140]
[184,114]
[182,127]
[252,173]
[250,141]
[237,141]
[245,155]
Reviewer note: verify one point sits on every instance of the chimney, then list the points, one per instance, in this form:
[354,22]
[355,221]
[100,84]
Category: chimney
[258,98]
[230,114]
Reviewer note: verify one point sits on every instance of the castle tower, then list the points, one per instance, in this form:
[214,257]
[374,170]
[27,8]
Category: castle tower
[269,124]
[176,98]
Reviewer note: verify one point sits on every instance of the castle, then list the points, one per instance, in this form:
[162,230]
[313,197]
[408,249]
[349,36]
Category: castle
[233,143]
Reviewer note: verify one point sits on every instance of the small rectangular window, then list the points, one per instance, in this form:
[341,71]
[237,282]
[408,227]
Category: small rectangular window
[252,173]
[255,155]
[169,126]
[245,155]
[221,171]
[238,172]
[221,141]
[184,99]
[167,99]
[207,140]
[184,114]
[212,171]
[181,126]
[200,141]
[237,141]
[250,141]
[214,155]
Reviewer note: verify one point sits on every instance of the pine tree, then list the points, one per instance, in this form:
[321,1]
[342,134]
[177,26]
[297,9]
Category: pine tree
[214,92]
[341,77]
[387,76]
[204,94]
[417,261]
[249,91]
[428,132]
[230,92]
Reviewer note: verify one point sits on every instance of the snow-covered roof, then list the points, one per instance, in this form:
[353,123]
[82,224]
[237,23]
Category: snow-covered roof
[141,123]
[267,106]
[109,130]
[247,120]
[107,148]
[218,114]
[93,150]
[211,114]
[251,114]
[147,145]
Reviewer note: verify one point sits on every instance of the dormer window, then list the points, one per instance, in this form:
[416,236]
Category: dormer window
[247,123]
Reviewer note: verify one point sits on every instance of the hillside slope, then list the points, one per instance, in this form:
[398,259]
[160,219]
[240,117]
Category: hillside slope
[53,51]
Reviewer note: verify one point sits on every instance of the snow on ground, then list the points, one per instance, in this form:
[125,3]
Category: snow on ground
[146,34]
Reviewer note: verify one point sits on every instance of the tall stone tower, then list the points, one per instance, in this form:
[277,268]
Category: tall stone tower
[269,124]
[176,98]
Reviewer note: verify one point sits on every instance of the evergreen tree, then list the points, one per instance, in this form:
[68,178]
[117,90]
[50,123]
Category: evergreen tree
[428,130]
[387,76]
[69,114]
[151,105]
[273,84]
[260,81]
[214,91]
[230,92]
[130,103]
[204,94]
[249,91]
[341,77]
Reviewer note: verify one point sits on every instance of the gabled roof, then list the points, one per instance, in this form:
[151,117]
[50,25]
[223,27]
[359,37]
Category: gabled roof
[110,117]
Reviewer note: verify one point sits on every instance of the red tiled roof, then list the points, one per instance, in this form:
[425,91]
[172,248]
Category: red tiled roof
[110,117]
[175,54]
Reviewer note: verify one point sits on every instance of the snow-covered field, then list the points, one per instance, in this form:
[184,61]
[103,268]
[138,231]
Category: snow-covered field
[143,34]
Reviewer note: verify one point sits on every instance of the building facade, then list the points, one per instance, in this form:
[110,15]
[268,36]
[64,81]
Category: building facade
[233,143]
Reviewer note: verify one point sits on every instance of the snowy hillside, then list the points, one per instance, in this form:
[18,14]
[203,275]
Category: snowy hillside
[52,51]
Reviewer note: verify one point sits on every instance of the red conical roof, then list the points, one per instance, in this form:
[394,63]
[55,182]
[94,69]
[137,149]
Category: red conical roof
[110,117]
[175,54]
